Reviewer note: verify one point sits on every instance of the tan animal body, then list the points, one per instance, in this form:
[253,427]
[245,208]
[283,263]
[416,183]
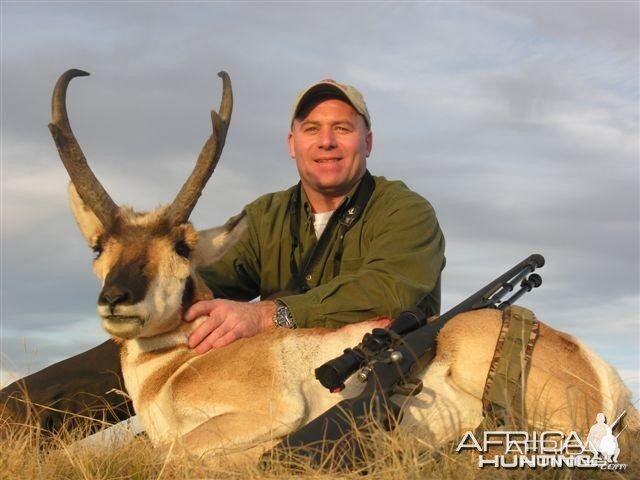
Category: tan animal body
[259,389]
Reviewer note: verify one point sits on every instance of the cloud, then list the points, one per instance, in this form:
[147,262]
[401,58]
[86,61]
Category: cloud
[37,340]
[584,22]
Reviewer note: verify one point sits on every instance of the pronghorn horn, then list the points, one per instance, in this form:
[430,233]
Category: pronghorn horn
[207,160]
[87,185]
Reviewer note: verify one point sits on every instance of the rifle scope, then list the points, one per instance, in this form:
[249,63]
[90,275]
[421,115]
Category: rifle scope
[333,374]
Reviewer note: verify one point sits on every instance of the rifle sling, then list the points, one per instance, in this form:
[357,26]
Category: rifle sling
[503,396]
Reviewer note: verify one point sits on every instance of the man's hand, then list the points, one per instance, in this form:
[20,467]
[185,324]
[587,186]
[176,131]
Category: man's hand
[228,321]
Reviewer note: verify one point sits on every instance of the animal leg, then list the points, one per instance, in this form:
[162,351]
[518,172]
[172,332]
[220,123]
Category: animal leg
[233,432]
[442,411]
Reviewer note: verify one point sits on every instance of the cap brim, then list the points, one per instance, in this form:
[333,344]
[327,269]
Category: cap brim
[317,93]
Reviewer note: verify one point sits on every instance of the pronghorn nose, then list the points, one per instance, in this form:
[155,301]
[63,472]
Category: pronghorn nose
[112,296]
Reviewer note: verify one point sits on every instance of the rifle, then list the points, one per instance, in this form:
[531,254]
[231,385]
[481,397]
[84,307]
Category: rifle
[387,358]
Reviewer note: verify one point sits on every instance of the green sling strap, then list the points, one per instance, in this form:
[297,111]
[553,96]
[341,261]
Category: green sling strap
[503,397]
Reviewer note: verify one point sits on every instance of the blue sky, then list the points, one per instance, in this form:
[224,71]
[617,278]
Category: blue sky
[518,121]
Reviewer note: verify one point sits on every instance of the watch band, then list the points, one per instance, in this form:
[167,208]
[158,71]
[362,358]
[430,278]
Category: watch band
[283,317]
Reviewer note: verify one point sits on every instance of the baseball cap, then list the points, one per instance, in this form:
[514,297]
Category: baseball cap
[329,88]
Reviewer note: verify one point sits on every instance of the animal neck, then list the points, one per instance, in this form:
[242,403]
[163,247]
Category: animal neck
[178,336]
[164,341]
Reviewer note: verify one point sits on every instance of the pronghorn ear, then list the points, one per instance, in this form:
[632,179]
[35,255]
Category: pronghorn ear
[215,242]
[91,228]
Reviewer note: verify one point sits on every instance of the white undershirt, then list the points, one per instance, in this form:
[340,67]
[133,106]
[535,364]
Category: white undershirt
[320,221]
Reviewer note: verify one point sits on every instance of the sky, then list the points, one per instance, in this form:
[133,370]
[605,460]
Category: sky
[517,121]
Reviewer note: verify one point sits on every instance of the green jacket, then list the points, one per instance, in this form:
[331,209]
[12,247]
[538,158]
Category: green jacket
[391,258]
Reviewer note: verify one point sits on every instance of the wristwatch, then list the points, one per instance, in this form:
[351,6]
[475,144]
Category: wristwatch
[283,316]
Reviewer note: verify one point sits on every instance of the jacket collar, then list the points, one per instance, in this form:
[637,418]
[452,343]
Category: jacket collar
[307,210]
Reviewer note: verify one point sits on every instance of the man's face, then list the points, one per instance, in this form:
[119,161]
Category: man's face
[330,146]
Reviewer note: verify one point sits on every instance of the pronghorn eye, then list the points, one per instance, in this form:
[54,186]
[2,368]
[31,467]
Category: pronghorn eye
[97,250]
[182,249]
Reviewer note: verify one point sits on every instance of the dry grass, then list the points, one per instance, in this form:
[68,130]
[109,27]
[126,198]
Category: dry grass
[398,454]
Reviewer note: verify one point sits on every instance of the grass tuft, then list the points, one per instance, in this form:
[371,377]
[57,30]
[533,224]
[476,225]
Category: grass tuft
[26,454]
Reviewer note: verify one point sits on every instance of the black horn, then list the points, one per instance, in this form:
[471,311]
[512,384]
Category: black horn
[85,182]
[207,160]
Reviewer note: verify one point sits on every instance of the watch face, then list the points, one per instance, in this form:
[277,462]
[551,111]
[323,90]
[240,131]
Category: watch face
[283,317]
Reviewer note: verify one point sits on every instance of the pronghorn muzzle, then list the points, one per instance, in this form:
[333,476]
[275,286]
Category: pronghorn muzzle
[124,289]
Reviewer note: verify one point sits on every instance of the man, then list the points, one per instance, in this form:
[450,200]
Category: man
[339,247]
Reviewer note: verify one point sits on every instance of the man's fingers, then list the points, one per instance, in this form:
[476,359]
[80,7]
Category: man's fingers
[225,339]
[198,309]
[203,347]
[384,322]
[212,341]
[203,331]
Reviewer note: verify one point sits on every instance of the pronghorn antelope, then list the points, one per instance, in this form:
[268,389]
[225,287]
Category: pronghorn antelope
[259,389]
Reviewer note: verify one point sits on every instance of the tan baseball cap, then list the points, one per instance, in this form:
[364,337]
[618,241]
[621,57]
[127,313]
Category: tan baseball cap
[329,88]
